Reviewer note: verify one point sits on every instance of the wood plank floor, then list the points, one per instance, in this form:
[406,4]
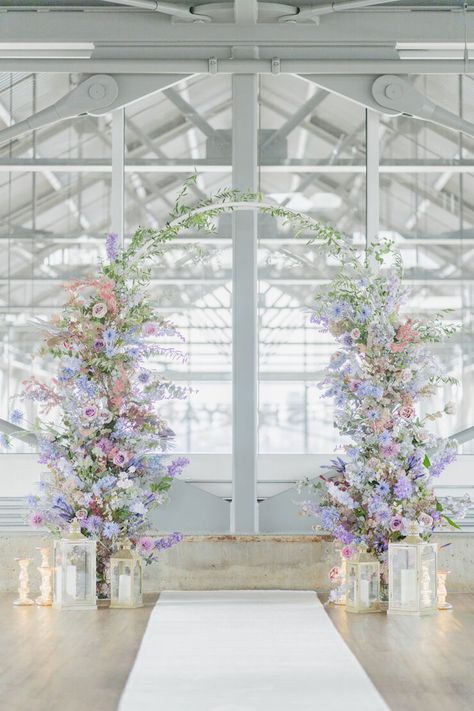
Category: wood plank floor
[53,660]
[417,664]
[71,661]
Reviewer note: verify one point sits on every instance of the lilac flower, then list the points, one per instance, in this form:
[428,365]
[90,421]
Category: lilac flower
[92,524]
[36,519]
[329,518]
[389,450]
[144,376]
[111,529]
[168,541]
[112,246]
[403,489]
[176,467]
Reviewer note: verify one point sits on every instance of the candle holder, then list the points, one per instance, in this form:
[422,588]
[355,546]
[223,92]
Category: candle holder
[45,570]
[339,593]
[126,578]
[23,583]
[442,592]
[362,582]
[412,567]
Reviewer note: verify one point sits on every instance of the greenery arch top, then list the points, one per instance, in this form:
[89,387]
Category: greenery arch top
[107,453]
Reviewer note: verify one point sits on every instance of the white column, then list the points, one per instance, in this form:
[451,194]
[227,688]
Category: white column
[244,517]
[118,161]
[372,175]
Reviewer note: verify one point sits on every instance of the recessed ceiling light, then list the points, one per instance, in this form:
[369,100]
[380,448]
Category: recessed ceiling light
[46,50]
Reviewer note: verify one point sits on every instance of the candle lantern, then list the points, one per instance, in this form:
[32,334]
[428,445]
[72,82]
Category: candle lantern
[126,578]
[74,571]
[412,575]
[362,582]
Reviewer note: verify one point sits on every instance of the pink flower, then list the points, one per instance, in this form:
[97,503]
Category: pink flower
[334,573]
[99,310]
[396,523]
[150,329]
[81,514]
[145,545]
[36,519]
[407,412]
[426,521]
[347,552]
[389,450]
[355,334]
[89,412]
[121,458]
[105,445]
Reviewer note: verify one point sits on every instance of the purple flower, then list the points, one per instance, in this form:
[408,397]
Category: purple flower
[36,519]
[389,450]
[329,517]
[403,489]
[92,524]
[176,467]
[99,344]
[111,246]
[168,541]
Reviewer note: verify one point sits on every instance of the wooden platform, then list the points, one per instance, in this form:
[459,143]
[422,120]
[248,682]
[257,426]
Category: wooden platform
[71,661]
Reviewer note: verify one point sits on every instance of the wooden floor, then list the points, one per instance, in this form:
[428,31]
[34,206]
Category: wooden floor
[72,661]
[417,664]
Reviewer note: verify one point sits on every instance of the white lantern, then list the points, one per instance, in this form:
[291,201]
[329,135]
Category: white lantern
[362,582]
[74,571]
[126,578]
[412,575]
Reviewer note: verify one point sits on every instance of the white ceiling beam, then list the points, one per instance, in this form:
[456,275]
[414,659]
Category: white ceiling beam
[177,166]
[197,65]
[105,26]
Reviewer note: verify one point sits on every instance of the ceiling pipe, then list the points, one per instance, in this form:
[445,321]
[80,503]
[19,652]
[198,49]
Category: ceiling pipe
[308,14]
[166,8]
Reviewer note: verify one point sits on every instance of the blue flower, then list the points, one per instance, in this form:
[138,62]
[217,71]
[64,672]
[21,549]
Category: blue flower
[364,314]
[109,335]
[111,529]
[385,438]
[16,417]
[373,415]
[382,488]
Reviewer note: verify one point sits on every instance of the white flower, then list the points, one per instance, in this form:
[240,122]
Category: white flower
[450,408]
[125,483]
[138,507]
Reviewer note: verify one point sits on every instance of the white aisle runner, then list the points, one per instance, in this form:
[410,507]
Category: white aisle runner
[251,650]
